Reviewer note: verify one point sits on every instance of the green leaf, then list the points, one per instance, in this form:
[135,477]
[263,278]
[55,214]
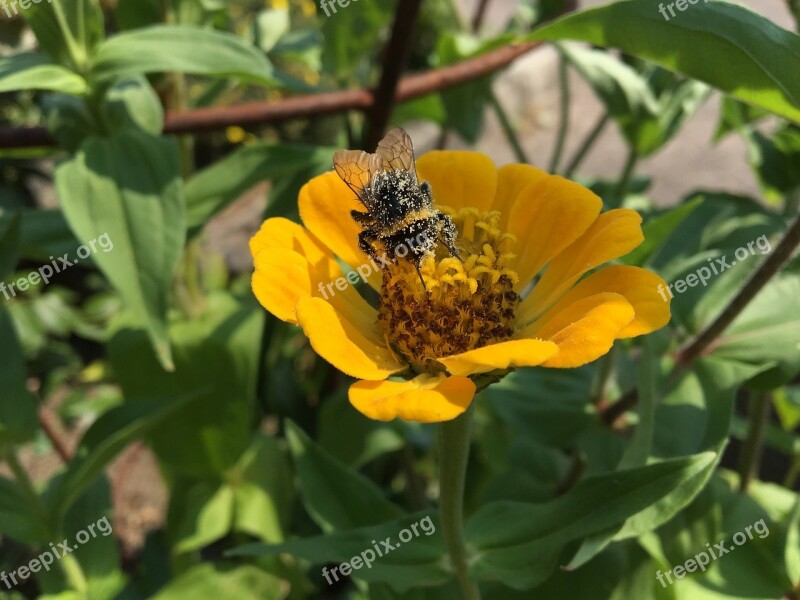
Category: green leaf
[128,186]
[211,190]
[725,45]
[787,406]
[419,562]
[638,450]
[212,581]
[776,160]
[335,496]
[753,571]
[183,49]
[348,56]
[464,104]
[206,515]
[29,71]
[18,419]
[766,333]
[17,519]
[135,14]
[70,120]
[658,228]
[679,102]
[108,436]
[430,108]
[560,414]
[9,244]
[270,27]
[216,357]
[132,104]
[792,552]
[623,91]
[43,233]
[734,115]
[519,543]
[99,556]
[68,30]
[365,440]
[263,490]
[700,404]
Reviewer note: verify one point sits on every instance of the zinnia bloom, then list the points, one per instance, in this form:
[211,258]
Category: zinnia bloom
[518,296]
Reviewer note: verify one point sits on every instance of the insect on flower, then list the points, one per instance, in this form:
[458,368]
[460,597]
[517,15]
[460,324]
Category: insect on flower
[527,287]
[399,208]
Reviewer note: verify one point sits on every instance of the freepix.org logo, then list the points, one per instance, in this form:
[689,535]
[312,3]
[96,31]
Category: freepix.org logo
[12,7]
[46,272]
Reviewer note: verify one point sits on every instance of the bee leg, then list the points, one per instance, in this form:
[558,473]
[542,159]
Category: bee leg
[365,241]
[422,281]
[361,218]
[449,233]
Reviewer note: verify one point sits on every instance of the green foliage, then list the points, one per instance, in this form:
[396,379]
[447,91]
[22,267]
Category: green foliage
[36,71]
[128,186]
[145,378]
[743,54]
[183,49]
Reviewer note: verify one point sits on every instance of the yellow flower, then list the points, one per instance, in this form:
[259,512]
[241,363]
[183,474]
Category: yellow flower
[485,313]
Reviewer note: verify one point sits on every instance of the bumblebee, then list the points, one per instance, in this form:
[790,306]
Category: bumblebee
[400,211]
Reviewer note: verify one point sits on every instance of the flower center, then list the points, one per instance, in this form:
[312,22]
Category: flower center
[468,303]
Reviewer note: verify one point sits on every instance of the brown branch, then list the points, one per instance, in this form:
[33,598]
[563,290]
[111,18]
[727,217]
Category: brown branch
[395,59]
[696,347]
[257,113]
[480,13]
[51,430]
[760,278]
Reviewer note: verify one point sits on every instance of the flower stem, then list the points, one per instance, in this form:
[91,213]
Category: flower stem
[508,129]
[586,145]
[563,80]
[627,173]
[751,452]
[454,442]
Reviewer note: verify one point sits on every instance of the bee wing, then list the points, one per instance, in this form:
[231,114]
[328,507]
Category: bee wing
[397,151]
[356,168]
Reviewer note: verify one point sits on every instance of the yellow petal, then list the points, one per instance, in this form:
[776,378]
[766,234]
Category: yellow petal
[325,203]
[504,355]
[278,232]
[352,348]
[584,330]
[426,398]
[546,218]
[511,181]
[640,288]
[283,276]
[459,178]
[280,279]
[613,234]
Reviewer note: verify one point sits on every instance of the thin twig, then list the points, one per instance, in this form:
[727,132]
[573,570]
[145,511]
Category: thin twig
[51,430]
[627,173]
[686,355]
[572,476]
[396,56]
[751,451]
[586,145]
[480,12]
[258,113]
[760,278]
[508,129]
[563,125]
